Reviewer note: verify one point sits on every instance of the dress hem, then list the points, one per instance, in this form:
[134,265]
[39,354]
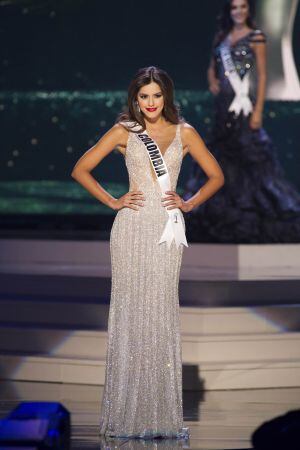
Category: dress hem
[151,434]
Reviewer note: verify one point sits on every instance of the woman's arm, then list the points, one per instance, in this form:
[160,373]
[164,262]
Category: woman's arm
[116,136]
[213,82]
[259,48]
[198,150]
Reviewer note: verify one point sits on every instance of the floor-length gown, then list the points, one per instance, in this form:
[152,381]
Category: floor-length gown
[257,204]
[143,387]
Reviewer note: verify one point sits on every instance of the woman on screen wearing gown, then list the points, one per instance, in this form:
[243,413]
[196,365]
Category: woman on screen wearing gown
[257,203]
[143,387]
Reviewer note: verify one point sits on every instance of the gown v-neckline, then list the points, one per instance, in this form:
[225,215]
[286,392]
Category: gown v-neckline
[153,176]
[168,147]
[232,45]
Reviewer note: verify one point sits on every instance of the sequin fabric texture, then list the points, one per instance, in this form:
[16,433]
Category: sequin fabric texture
[243,57]
[143,388]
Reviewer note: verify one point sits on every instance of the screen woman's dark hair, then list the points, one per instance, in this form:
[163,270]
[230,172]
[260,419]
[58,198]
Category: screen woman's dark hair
[225,22]
[143,77]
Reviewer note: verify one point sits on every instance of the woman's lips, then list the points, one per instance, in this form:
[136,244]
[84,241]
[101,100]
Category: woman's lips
[151,109]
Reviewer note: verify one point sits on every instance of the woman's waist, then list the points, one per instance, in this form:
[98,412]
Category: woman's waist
[151,194]
[227,90]
[151,191]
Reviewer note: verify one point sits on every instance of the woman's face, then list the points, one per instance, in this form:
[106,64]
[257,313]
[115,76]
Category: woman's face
[239,11]
[151,101]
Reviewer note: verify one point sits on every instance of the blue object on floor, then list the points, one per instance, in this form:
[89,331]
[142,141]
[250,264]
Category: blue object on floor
[41,425]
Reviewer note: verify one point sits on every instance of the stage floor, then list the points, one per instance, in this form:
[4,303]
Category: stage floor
[217,419]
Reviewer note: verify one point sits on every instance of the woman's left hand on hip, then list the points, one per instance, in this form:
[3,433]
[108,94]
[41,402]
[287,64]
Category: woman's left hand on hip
[173,200]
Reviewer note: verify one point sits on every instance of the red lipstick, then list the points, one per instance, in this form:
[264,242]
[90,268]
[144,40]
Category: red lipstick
[151,109]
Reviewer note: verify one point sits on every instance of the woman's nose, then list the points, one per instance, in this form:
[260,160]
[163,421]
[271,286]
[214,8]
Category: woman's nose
[150,101]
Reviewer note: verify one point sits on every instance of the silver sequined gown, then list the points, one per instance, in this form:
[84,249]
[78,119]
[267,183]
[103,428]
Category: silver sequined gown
[143,387]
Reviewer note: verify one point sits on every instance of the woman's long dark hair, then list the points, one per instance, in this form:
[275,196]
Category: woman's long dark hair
[143,77]
[225,22]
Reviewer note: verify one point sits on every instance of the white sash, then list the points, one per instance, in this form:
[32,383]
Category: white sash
[241,101]
[174,228]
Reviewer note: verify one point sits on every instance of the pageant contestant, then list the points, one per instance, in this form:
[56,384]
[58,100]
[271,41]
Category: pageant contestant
[257,204]
[142,393]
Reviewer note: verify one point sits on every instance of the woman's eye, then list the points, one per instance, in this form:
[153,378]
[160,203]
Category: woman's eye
[143,96]
[158,95]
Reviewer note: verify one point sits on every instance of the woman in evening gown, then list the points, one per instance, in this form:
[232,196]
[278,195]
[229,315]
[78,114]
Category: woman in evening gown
[143,387]
[257,203]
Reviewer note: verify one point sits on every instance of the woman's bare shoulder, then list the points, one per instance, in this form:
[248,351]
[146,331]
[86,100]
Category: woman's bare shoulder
[186,126]
[187,130]
[119,129]
[119,135]
[188,134]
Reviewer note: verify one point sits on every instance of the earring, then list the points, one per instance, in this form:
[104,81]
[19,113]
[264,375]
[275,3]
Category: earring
[138,107]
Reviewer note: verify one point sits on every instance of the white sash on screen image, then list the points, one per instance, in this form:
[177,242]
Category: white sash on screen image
[241,101]
[174,228]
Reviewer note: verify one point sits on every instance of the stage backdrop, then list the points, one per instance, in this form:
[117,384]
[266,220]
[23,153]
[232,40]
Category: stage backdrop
[65,70]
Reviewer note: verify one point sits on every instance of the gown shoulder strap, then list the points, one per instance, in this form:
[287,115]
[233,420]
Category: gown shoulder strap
[131,126]
[257,36]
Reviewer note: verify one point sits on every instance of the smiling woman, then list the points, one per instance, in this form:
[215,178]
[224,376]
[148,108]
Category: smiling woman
[152,101]
[143,385]
[151,89]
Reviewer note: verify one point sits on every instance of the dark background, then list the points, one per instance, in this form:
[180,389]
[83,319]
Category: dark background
[92,44]
[98,45]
